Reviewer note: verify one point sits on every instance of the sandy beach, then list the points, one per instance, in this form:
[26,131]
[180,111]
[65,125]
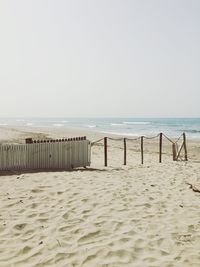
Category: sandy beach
[134,215]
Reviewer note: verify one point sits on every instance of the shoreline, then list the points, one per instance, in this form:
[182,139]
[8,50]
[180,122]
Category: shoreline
[61,131]
[130,127]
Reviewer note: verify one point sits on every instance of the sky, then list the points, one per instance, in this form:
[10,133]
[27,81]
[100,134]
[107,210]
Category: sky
[99,58]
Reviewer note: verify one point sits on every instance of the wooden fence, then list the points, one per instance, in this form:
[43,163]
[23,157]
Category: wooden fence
[46,154]
[176,150]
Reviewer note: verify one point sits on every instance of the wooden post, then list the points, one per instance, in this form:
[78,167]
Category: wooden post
[142,149]
[185,147]
[124,151]
[160,148]
[174,152]
[105,152]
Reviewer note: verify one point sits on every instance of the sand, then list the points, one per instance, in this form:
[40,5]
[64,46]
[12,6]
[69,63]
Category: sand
[134,215]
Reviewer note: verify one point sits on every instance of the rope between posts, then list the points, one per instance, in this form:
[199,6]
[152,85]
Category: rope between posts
[132,139]
[118,139]
[170,140]
[137,138]
[95,142]
[151,137]
[178,139]
[115,139]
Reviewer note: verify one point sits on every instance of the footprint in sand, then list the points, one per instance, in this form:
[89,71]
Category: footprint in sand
[24,250]
[66,215]
[36,190]
[20,226]
[89,236]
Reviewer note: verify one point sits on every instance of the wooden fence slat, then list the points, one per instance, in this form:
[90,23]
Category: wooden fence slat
[69,155]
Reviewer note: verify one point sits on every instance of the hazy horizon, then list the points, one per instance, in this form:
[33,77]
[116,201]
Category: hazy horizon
[88,59]
[99,117]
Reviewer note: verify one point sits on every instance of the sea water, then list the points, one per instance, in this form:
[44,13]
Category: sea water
[173,127]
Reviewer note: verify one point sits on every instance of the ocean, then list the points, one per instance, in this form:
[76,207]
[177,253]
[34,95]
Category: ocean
[173,127]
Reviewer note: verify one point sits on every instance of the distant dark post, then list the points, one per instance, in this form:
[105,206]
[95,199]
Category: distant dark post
[124,151]
[185,147]
[105,152]
[174,151]
[142,149]
[160,148]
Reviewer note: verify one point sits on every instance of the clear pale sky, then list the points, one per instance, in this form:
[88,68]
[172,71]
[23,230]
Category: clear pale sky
[74,58]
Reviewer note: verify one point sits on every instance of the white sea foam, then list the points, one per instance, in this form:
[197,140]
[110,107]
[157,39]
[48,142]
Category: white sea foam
[121,134]
[20,120]
[58,125]
[137,122]
[3,124]
[117,124]
[29,124]
[92,126]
